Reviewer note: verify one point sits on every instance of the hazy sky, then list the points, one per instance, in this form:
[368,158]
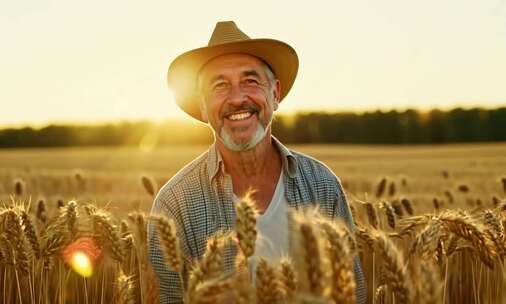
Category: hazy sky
[106,60]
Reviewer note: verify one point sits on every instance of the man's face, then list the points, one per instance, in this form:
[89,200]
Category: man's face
[238,99]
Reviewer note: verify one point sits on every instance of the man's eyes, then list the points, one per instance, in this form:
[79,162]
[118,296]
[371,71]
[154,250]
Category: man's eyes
[223,85]
[219,85]
[251,81]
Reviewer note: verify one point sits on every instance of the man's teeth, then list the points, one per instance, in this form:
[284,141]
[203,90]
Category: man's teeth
[239,116]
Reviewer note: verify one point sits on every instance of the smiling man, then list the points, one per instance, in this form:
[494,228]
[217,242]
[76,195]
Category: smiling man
[235,85]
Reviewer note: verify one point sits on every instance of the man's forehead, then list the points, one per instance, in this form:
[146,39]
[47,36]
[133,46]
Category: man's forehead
[240,61]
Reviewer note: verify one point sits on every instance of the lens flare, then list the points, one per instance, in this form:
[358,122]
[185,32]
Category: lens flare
[81,255]
[81,264]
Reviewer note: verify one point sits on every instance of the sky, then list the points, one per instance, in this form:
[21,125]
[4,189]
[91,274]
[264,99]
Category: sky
[95,61]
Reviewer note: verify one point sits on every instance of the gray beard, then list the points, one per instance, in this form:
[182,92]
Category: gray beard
[250,144]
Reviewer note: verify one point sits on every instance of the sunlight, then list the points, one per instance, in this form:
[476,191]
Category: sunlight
[81,264]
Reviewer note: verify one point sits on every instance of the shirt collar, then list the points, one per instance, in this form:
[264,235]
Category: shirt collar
[215,162]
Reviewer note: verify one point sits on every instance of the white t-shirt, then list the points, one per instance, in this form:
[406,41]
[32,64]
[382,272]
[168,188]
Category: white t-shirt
[272,229]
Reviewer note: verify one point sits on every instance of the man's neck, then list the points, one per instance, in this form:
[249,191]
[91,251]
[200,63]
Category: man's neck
[252,163]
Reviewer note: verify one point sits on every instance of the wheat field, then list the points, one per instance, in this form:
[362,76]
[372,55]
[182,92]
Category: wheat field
[430,229]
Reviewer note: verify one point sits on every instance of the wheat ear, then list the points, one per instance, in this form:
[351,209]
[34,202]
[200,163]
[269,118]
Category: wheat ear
[245,225]
[149,185]
[464,227]
[30,232]
[169,243]
[210,265]
[268,289]
[125,289]
[394,266]
[109,234]
[341,263]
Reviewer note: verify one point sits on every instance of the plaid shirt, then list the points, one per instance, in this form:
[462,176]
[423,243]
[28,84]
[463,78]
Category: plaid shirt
[199,199]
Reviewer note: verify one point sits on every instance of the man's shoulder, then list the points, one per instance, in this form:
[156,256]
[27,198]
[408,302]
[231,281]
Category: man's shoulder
[189,176]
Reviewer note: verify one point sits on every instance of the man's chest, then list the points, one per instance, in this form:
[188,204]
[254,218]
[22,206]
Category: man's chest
[262,190]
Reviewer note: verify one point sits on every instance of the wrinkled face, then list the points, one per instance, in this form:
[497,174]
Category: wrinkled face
[238,99]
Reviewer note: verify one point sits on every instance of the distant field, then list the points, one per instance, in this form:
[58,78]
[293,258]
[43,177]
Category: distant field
[112,175]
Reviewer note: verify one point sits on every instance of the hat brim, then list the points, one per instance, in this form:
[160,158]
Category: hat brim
[182,73]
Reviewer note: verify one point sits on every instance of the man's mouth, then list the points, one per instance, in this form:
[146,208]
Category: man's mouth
[240,115]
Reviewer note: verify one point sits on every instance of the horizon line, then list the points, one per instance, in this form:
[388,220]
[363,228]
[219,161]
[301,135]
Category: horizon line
[190,120]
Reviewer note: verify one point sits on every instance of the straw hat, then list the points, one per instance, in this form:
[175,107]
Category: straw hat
[228,38]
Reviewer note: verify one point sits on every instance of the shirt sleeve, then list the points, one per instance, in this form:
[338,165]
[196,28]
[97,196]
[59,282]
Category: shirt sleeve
[342,210]
[170,284]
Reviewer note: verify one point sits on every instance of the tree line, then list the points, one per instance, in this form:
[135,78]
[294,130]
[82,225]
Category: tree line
[392,127]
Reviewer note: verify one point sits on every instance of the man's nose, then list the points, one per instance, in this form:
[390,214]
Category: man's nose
[236,94]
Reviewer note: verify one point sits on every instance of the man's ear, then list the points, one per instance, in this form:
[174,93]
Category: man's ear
[277,93]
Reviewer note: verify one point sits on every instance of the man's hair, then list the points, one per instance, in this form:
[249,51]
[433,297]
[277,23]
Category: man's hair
[270,74]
